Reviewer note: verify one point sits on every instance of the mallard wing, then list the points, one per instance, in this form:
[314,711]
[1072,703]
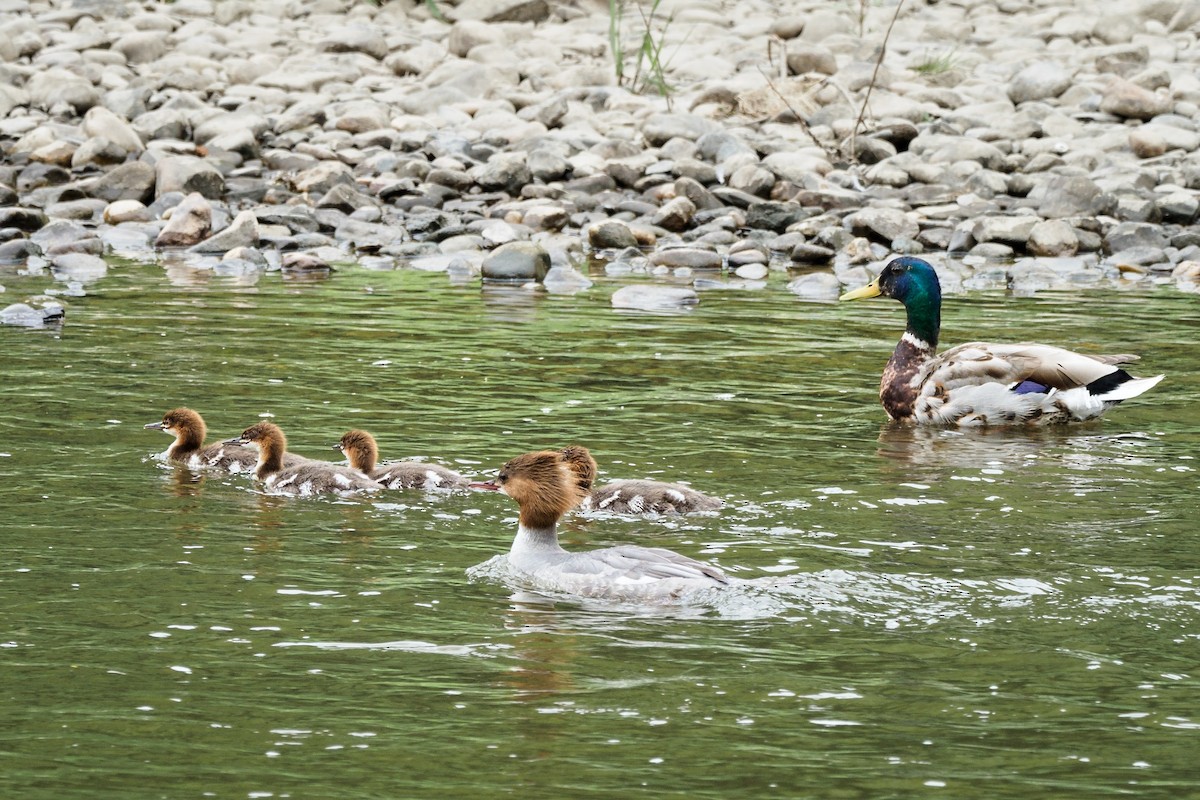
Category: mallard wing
[987,384]
[978,363]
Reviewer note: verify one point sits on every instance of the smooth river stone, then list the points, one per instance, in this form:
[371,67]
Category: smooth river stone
[654,297]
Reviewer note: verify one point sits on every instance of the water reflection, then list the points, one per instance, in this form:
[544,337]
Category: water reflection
[934,447]
[511,302]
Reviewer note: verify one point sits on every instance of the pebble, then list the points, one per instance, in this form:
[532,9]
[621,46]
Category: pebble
[654,297]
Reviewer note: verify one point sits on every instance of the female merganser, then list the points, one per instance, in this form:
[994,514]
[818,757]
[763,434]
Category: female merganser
[545,487]
[304,479]
[360,448]
[633,496]
[189,430]
[986,384]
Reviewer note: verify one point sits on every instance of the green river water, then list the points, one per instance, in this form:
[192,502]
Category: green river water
[1013,614]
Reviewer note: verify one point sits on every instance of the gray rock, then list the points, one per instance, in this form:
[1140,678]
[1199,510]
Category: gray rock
[26,316]
[78,267]
[467,34]
[355,39]
[54,87]
[242,232]
[101,123]
[524,261]
[248,118]
[189,224]
[141,47]
[805,253]
[1126,99]
[882,224]
[367,235]
[345,198]
[507,172]
[692,189]
[503,10]
[654,297]
[773,216]
[546,165]
[1073,196]
[1180,207]
[610,235]
[1052,238]
[816,286]
[821,24]
[323,177]
[1039,81]
[1152,140]
[25,219]
[805,57]
[548,218]
[687,257]
[752,179]
[61,233]
[752,272]
[675,215]
[126,211]
[1131,235]
[565,280]
[303,262]
[187,174]
[134,180]
[1009,230]
[660,128]
[15,251]
[161,123]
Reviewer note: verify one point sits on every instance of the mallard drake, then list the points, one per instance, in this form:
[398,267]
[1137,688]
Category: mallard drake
[986,384]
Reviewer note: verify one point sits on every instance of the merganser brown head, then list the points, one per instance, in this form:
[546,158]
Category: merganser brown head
[360,448]
[185,425]
[544,485]
[271,443]
[582,464]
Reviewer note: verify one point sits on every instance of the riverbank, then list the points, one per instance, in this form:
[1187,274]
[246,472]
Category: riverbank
[1043,145]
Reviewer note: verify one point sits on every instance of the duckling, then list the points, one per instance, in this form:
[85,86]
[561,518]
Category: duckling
[304,479]
[360,448]
[979,384]
[633,496]
[189,430]
[545,487]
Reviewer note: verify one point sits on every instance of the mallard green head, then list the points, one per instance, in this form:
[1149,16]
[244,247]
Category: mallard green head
[914,283]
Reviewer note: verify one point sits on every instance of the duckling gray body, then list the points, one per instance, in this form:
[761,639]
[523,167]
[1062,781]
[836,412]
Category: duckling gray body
[362,451]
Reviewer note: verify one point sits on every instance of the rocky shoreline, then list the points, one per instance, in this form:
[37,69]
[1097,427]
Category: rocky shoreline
[1041,144]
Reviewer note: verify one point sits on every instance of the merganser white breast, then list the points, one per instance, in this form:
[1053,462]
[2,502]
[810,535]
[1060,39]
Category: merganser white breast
[189,430]
[633,496]
[545,487]
[362,451]
[303,479]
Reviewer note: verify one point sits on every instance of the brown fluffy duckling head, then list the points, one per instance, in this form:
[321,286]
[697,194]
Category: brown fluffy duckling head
[360,448]
[185,425]
[544,485]
[582,465]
